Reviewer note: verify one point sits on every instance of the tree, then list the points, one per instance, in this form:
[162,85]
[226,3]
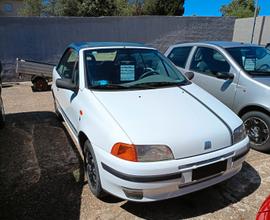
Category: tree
[32,8]
[63,7]
[88,8]
[123,8]
[164,7]
[239,8]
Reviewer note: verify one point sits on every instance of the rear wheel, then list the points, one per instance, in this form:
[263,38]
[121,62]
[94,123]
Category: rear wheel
[258,129]
[40,84]
[91,171]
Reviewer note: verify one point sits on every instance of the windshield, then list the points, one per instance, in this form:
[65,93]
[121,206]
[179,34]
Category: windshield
[254,60]
[130,68]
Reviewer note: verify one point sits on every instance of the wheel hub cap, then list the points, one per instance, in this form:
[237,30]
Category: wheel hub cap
[91,169]
[257,130]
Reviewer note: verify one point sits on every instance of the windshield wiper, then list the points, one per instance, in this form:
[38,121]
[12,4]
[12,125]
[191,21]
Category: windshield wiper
[160,84]
[108,86]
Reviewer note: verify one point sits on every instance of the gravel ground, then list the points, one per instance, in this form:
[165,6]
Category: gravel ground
[41,174]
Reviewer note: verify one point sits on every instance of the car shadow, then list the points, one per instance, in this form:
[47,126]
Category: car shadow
[41,170]
[202,202]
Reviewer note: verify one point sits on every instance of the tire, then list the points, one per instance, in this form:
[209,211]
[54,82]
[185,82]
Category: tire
[91,171]
[2,114]
[40,84]
[258,129]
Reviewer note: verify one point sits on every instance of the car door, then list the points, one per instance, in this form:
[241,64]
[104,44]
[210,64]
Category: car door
[68,69]
[214,73]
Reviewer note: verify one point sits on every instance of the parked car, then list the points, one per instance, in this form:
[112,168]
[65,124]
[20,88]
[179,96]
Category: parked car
[237,74]
[2,112]
[147,132]
[41,73]
[264,212]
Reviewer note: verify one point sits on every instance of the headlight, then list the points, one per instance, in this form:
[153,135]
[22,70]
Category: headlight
[142,153]
[239,134]
[148,153]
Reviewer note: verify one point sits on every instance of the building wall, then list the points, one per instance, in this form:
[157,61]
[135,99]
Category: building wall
[45,38]
[10,7]
[243,30]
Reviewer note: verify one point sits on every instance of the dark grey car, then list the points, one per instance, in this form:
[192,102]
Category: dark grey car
[238,75]
[2,112]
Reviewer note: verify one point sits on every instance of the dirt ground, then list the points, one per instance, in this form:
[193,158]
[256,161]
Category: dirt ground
[41,174]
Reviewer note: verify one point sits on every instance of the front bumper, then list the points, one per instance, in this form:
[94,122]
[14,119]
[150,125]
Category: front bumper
[154,181]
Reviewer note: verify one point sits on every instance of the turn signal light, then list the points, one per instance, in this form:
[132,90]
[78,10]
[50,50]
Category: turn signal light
[125,151]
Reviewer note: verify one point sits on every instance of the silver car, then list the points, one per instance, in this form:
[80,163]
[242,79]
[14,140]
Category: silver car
[237,74]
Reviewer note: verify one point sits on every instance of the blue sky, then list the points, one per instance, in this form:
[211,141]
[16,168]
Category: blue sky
[211,7]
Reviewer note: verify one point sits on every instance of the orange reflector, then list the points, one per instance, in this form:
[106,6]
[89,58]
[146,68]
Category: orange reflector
[125,151]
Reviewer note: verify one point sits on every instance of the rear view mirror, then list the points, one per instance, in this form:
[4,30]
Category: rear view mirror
[189,75]
[66,84]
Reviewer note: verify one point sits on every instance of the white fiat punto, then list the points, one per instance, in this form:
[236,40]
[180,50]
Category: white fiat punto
[146,131]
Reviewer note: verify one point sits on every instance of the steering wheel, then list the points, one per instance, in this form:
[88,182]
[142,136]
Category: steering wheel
[264,67]
[149,72]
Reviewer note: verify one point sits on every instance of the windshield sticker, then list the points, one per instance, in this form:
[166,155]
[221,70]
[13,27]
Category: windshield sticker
[127,72]
[250,64]
[100,83]
[104,56]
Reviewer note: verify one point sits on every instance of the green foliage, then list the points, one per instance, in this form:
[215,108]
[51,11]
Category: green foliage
[62,8]
[97,8]
[164,7]
[239,8]
[123,8]
[32,8]
[88,8]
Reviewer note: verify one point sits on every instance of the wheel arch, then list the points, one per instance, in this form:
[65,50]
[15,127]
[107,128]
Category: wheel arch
[250,108]
[82,138]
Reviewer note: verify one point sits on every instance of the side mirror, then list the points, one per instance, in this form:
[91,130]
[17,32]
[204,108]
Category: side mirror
[224,75]
[189,75]
[66,84]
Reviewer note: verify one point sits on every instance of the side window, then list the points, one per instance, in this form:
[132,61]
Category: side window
[179,56]
[209,62]
[66,66]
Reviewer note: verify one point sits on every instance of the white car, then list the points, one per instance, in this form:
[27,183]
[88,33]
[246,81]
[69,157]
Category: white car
[146,131]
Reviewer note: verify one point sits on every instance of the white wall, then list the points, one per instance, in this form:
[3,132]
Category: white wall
[243,30]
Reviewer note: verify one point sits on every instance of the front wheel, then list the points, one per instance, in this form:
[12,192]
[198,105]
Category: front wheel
[258,127]
[91,171]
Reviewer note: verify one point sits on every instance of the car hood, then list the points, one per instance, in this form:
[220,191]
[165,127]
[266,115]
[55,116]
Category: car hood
[173,117]
[263,79]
